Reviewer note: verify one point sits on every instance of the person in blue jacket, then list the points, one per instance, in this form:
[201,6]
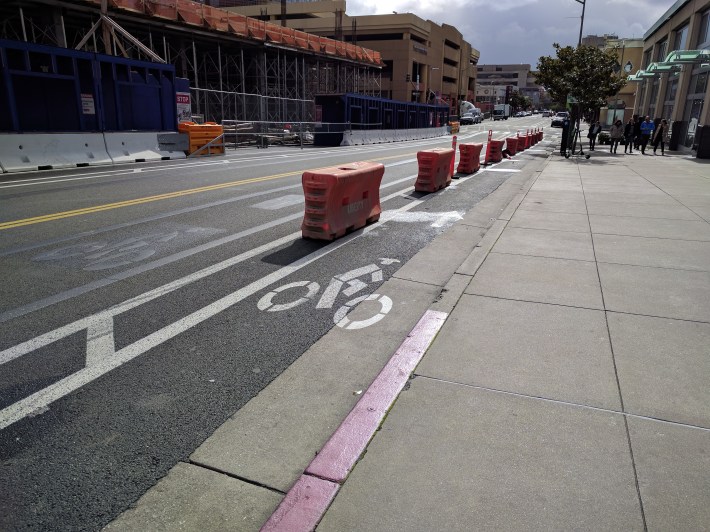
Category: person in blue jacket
[647,128]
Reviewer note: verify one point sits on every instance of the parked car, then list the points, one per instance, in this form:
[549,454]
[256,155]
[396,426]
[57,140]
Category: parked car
[546,114]
[519,114]
[467,119]
[559,119]
[470,117]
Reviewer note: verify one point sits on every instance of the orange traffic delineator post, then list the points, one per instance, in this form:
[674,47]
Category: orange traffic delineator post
[511,144]
[434,169]
[453,147]
[469,158]
[488,146]
[341,199]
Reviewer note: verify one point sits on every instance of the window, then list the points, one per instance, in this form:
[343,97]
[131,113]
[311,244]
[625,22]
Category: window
[681,38]
[661,48]
[646,58]
[703,34]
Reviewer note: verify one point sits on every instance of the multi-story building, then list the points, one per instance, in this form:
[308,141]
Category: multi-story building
[621,106]
[423,61]
[598,41]
[495,83]
[677,90]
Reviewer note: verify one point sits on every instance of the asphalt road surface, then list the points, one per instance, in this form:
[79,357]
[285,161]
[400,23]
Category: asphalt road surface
[143,305]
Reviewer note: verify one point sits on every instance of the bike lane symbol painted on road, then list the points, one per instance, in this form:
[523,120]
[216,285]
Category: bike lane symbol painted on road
[348,284]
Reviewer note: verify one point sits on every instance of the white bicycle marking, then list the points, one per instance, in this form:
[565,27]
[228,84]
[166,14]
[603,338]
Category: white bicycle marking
[341,319]
[265,303]
[349,284]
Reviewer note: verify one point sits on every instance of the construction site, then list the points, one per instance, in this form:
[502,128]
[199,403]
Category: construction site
[239,68]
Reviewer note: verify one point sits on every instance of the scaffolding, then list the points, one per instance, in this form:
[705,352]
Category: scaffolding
[231,77]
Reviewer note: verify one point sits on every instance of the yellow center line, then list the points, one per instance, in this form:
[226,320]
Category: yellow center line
[150,199]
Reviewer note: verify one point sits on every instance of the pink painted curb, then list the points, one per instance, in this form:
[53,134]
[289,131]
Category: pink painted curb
[307,501]
[304,505]
[347,444]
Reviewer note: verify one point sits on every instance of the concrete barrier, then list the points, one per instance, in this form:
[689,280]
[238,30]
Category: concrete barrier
[25,152]
[137,146]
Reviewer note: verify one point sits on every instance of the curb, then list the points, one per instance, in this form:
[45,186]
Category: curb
[307,501]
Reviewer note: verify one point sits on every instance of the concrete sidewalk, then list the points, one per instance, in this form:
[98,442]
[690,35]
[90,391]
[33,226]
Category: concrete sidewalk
[569,387]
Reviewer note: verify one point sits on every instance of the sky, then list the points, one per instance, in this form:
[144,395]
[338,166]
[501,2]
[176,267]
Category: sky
[520,31]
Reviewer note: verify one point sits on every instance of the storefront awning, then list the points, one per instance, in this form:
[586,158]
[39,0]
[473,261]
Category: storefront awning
[690,57]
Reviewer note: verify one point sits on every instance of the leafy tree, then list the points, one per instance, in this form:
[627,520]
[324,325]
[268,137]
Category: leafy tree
[585,73]
[518,101]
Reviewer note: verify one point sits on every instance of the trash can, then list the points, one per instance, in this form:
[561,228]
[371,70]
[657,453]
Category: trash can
[677,128]
[702,139]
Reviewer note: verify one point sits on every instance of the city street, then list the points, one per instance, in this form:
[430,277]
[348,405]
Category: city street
[144,305]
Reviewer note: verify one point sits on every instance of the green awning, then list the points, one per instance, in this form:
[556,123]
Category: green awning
[661,68]
[688,57]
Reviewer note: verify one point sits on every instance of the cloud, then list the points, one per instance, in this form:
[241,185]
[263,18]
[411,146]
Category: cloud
[520,31]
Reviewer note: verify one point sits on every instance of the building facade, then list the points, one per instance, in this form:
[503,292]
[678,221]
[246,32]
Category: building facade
[628,53]
[677,90]
[495,83]
[423,61]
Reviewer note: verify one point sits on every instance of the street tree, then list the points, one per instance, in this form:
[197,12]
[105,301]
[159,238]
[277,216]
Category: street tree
[585,73]
[518,101]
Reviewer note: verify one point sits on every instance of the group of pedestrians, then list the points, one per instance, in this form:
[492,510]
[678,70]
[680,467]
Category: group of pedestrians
[636,134]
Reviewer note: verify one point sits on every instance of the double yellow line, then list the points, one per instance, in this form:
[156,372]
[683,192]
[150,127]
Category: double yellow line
[137,201]
[148,199]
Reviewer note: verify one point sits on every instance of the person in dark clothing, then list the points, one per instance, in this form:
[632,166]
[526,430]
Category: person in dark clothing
[594,130]
[616,132]
[659,137]
[629,136]
[647,128]
[637,131]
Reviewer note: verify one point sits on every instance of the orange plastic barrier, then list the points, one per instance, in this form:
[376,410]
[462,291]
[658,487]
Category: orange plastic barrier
[469,158]
[434,169]
[201,134]
[511,145]
[495,151]
[522,142]
[532,140]
[341,199]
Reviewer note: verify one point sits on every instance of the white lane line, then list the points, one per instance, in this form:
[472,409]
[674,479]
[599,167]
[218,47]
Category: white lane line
[104,362]
[289,200]
[126,274]
[79,325]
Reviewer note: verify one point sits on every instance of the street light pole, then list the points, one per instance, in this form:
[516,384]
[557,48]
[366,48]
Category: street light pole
[581,23]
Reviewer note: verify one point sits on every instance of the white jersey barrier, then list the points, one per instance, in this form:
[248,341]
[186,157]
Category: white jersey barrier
[25,152]
[359,137]
[137,146]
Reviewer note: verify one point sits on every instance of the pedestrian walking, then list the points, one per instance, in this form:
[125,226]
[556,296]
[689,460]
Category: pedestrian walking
[629,136]
[637,132]
[594,130]
[647,128]
[659,137]
[616,132]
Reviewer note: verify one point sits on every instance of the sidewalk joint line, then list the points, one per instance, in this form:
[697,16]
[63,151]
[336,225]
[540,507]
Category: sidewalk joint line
[655,267]
[616,370]
[236,477]
[541,256]
[562,402]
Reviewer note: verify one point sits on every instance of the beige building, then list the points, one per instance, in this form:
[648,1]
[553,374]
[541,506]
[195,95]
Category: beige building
[677,89]
[422,59]
[628,53]
[505,79]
